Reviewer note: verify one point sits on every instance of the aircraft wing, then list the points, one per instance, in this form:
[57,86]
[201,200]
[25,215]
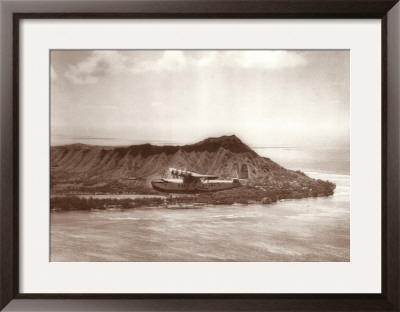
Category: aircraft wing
[190,175]
[204,176]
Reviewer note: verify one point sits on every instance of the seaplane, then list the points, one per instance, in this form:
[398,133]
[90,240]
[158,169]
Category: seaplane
[186,182]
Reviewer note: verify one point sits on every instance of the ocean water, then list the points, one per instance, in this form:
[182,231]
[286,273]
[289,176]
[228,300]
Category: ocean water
[313,229]
[333,160]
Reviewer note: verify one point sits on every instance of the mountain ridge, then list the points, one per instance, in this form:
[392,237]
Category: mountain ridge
[93,168]
[232,143]
[204,157]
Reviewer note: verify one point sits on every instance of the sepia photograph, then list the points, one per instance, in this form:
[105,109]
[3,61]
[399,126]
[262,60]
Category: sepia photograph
[199,155]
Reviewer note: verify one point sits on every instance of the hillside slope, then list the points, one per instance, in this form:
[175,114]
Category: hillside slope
[86,168]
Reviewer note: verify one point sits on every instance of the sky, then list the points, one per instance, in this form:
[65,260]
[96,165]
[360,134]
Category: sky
[279,98]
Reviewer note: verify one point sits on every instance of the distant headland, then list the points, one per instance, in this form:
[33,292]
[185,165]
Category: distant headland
[91,169]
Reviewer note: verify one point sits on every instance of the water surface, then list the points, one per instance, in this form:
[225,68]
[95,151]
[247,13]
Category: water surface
[313,229]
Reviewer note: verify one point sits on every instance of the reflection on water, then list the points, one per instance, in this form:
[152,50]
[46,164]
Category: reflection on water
[315,229]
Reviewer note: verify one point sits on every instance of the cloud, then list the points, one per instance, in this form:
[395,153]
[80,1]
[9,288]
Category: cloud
[169,61]
[263,59]
[178,60]
[104,63]
[98,65]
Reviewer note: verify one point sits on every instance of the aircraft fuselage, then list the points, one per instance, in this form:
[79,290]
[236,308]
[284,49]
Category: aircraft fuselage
[180,186]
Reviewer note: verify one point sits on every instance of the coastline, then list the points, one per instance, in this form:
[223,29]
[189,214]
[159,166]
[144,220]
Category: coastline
[308,229]
[247,196]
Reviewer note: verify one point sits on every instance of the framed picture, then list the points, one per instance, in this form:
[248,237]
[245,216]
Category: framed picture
[241,155]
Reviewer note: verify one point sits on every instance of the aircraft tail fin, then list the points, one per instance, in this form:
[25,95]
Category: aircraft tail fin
[235,169]
[242,172]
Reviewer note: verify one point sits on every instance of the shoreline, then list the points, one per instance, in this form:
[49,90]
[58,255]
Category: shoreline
[242,196]
[102,202]
[89,203]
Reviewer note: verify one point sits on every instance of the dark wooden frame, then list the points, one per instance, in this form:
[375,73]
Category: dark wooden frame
[11,12]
